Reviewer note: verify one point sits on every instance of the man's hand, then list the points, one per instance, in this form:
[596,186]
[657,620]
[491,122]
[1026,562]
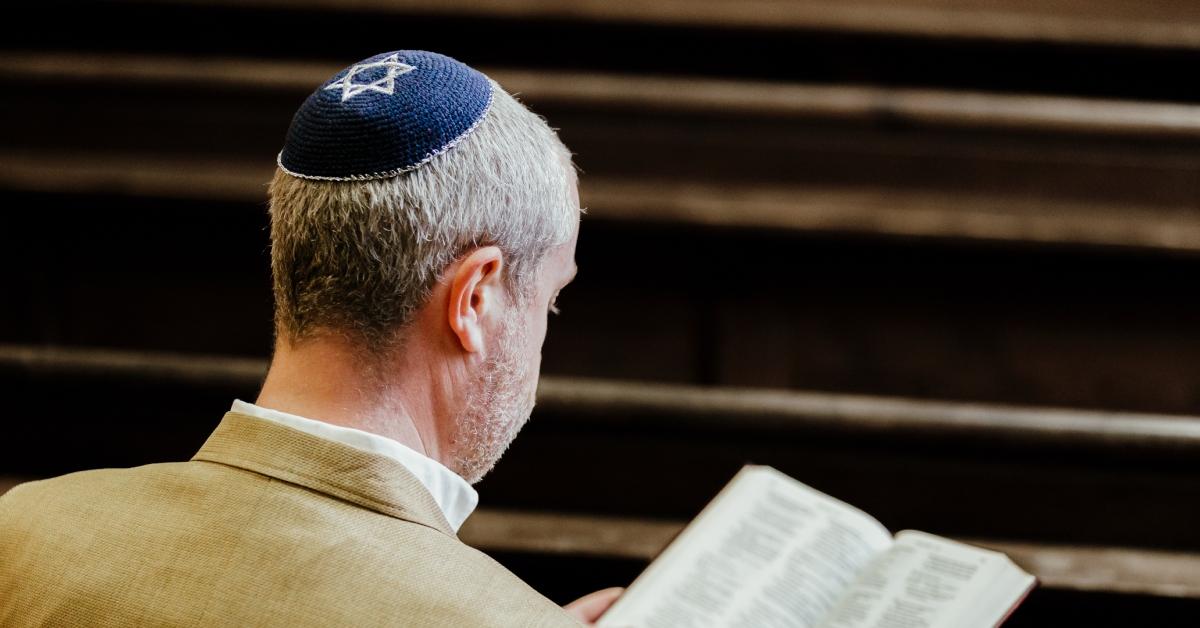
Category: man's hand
[590,607]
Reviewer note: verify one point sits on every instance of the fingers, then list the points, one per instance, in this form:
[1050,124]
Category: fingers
[590,607]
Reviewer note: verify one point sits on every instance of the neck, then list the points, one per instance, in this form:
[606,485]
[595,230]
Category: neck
[324,379]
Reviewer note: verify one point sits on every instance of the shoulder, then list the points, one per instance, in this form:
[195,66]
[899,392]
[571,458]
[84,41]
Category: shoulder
[422,573]
[48,491]
[317,555]
[63,505]
[98,485]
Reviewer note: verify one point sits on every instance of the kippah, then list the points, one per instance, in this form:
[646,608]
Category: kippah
[384,116]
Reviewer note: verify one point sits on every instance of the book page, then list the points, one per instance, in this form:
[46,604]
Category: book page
[768,551]
[925,581]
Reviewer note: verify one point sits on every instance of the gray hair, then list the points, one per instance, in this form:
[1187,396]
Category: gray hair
[361,257]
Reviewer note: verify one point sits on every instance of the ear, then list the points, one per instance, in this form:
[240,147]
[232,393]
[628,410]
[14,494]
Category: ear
[475,295]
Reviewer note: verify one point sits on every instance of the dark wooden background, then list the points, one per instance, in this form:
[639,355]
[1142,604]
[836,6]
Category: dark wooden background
[935,257]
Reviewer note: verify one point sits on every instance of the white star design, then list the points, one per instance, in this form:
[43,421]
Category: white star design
[385,85]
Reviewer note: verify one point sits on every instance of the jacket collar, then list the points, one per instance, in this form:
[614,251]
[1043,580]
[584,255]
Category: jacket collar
[367,479]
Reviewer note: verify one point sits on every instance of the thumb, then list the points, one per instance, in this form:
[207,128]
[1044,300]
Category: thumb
[590,607]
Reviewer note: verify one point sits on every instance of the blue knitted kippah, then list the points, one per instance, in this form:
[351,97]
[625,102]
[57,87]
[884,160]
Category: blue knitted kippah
[384,116]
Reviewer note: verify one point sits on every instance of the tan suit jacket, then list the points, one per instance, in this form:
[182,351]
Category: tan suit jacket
[265,526]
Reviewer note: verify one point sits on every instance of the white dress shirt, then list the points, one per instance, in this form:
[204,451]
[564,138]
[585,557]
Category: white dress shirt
[453,495]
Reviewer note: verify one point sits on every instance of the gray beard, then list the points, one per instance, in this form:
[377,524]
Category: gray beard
[498,406]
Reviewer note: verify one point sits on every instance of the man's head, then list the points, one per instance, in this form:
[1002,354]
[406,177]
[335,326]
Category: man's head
[426,218]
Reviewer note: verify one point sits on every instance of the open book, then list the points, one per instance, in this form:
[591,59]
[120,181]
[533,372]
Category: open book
[770,552]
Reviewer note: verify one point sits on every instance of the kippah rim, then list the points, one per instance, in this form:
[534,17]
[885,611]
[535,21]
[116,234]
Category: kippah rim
[399,171]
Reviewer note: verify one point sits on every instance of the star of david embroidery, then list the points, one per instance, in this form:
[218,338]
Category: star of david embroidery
[385,85]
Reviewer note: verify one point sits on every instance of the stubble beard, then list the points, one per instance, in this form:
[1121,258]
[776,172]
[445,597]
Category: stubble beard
[498,406]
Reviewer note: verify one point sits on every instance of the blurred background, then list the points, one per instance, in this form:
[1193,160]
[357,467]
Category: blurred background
[936,258]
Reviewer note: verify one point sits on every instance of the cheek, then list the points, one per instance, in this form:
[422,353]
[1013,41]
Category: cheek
[528,337]
[535,339]
[537,321]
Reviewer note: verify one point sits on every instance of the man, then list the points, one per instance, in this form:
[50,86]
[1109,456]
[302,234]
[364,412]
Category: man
[422,224]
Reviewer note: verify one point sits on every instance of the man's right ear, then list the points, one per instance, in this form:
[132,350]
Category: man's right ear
[476,294]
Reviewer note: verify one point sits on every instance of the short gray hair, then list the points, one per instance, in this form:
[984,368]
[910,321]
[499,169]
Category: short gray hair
[361,257]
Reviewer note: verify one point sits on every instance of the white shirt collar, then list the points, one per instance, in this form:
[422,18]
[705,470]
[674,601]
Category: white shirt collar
[453,494]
